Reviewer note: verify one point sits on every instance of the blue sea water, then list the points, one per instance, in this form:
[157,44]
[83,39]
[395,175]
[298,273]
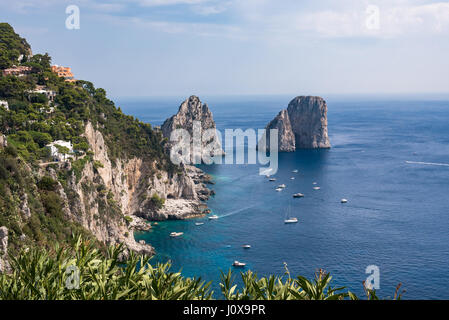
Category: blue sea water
[396,217]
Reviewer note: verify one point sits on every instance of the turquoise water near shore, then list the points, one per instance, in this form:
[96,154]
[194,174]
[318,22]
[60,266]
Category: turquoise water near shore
[396,217]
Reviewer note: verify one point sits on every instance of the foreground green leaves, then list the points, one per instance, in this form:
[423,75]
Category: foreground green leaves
[82,272]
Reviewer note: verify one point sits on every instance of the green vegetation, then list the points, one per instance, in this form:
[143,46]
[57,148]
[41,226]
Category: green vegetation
[51,274]
[11,46]
[45,222]
[157,201]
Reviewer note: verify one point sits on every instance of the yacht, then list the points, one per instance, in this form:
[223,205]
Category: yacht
[291,220]
[298,195]
[213,217]
[176,234]
[238,264]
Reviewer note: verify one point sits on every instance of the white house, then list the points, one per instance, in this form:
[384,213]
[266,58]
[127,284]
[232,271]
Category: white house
[4,104]
[58,156]
[47,110]
[50,94]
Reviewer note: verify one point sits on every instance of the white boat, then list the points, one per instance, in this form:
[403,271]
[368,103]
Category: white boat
[176,234]
[292,178]
[314,183]
[291,220]
[344,200]
[316,188]
[298,195]
[213,217]
[246,246]
[199,223]
[272,179]
[279,189]
[238,264]
[295,171]
[282,186]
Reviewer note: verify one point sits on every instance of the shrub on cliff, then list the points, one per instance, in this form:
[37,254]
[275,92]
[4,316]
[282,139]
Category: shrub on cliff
[157,201]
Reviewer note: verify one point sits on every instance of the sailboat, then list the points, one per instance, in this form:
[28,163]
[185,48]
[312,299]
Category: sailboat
[289,219]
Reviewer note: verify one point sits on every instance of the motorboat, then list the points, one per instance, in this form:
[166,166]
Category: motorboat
[292,178]
[282,186]
[176,234]
[279,189]
[291,220]
[246,246]
[298,195]
[272,179]
[238,264]
[316,188]
[295,171]
[213,217]
[199,223]
[344,200]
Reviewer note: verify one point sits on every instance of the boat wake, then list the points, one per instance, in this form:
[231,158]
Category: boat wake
[236,211]
[428,163]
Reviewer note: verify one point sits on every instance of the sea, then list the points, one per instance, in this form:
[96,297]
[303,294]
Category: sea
[389,159]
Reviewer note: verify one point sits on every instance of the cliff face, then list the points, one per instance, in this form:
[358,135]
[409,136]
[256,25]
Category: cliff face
[4,266]
[302,125]
[105,194]
[192,109]
[286,140]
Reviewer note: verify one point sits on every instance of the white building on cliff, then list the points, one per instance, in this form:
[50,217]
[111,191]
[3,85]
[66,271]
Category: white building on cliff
[58,154]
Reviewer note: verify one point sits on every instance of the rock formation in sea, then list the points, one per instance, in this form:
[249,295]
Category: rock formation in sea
[303,125]
[191,110]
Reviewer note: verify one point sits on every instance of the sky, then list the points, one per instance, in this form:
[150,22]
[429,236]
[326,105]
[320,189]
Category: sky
[141,48]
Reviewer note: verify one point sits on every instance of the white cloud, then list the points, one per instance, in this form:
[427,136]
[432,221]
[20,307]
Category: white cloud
[199,29]
[430,19]
[209,10]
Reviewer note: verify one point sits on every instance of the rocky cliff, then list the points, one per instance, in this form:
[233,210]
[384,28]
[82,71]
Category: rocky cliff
[302,125]
[4,266]
[191,110]
[126,190]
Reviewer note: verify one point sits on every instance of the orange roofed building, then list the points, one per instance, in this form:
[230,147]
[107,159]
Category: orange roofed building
[64,72]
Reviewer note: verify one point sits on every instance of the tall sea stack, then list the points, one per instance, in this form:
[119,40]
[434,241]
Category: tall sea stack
[303,125]
[192,109]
